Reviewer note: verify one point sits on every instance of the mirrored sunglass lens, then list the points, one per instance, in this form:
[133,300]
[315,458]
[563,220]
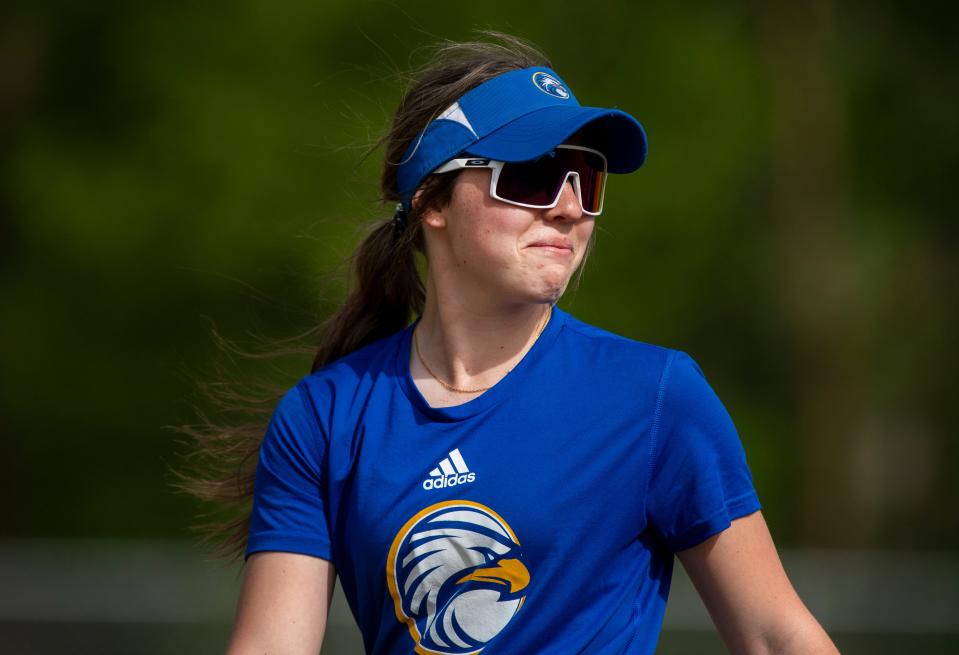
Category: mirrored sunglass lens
[538,182]
[591,169]
[531,183]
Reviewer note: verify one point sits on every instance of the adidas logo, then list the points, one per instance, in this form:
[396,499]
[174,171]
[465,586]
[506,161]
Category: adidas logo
[451,472]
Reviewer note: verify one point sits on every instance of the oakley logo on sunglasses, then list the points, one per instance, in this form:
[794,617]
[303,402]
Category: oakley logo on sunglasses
[476,162]
[550,85]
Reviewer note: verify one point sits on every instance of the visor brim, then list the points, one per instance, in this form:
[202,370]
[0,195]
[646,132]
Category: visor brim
[615,133]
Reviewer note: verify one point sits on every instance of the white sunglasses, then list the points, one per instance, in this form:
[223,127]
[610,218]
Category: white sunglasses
[539,183]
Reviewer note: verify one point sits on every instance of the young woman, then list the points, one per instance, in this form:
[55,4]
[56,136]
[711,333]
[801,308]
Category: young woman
[498,476]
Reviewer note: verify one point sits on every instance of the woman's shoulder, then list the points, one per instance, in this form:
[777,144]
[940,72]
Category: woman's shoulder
[361,366]
[600,341]
[668,372]
[633,354]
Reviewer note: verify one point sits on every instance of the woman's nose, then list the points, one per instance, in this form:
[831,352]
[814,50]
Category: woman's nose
[568,205]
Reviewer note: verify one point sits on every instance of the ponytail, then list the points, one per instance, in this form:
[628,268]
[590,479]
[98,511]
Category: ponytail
[388,290]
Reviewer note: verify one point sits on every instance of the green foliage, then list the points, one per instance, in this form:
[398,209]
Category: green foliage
[170,164]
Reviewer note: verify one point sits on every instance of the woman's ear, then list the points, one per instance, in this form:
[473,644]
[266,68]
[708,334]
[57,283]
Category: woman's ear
[429,216]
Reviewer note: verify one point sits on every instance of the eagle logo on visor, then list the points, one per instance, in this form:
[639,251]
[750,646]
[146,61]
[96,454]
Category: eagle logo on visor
[456,576]
[550,85]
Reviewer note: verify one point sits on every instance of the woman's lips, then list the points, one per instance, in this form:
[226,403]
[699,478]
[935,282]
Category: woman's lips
[552,249]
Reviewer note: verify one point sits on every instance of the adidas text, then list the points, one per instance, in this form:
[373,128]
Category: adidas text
[448,481]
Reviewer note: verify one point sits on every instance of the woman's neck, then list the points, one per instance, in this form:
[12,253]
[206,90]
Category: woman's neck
[471,348]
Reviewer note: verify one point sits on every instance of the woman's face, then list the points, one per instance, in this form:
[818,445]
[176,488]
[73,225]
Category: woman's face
[495,251]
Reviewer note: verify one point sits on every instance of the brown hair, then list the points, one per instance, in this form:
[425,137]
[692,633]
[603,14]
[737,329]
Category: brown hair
[388,291]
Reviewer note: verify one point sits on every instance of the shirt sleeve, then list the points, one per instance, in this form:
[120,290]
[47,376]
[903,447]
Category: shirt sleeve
[699,480]
[290,508]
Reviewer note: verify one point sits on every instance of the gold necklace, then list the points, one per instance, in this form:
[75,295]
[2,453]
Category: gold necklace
[416,344]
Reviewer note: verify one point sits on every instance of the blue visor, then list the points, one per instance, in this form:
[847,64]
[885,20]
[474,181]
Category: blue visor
[519,116]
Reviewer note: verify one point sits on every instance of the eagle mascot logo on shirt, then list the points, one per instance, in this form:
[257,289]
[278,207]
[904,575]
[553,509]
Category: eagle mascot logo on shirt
[456,577]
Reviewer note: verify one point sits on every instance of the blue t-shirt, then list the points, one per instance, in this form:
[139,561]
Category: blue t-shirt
[539,517]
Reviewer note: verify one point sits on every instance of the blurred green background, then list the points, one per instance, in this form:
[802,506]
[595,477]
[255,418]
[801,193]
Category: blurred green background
[168,167]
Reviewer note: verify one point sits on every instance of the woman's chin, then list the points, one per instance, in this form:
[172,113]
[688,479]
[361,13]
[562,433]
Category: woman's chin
[550,293]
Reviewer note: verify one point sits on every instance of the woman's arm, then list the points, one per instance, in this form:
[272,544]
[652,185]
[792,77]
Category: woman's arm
[745,589]
[283,605]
